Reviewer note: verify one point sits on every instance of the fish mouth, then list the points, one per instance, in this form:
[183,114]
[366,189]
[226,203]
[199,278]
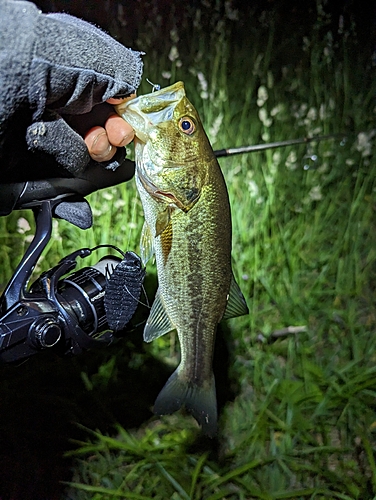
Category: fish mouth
[151,109]
[191,195]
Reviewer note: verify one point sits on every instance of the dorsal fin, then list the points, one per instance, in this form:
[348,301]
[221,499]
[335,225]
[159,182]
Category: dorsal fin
[236,304]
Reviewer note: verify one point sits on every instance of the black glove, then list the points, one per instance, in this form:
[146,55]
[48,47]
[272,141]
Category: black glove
[52,67]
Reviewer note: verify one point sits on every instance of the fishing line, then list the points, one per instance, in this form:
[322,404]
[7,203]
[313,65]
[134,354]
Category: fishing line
[108,245]
[132,224]
[137,325]
[131,228]
[147,305]
[108,276]
[154,85]
[110,269]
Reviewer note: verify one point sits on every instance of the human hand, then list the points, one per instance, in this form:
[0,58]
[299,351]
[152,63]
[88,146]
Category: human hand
[116,132]
[84,69]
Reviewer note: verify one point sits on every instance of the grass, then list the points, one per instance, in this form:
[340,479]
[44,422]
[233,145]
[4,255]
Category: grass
[302,420]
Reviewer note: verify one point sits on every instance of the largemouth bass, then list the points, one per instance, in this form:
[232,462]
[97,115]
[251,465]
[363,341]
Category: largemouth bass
[188,227]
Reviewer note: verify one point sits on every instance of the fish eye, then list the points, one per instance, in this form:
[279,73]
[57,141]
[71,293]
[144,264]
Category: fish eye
[187,125]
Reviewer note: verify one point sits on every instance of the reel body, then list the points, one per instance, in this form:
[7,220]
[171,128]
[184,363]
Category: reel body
[63,310]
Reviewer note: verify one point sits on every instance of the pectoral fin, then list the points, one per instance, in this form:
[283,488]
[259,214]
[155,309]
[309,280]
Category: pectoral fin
[236,304]
[158,322]
[146,244]
[163,220]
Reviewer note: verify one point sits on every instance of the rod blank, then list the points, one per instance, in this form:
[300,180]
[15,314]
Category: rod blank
[271,145]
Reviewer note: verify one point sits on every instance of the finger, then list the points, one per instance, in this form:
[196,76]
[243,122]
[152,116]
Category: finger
[100,148]
[119,132]
[114,100]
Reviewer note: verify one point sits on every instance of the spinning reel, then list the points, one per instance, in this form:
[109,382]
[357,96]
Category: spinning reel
[65,311]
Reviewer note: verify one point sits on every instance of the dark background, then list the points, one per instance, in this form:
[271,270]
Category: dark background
[44,398]
[293,15]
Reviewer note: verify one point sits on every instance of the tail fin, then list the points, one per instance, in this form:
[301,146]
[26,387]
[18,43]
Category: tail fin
[201,402]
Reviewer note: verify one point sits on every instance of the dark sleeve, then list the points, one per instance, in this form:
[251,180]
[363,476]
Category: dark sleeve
[18,22]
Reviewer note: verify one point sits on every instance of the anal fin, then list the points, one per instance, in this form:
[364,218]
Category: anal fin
[158,322]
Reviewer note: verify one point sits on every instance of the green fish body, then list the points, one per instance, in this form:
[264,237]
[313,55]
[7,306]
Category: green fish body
[188,228]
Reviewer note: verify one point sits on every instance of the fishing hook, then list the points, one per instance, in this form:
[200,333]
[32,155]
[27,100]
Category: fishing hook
[154,85]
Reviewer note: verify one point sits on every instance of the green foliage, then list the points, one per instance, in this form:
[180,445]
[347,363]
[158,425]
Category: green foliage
[303,422]
[154,463]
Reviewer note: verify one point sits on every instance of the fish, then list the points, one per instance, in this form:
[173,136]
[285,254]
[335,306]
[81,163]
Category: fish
[188,229]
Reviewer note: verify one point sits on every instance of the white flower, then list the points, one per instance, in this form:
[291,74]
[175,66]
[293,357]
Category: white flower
[311,116]
[204,94]
[291,161]
[323,113]
[269,179]
[202,81]
[174,35]
[96,212]
[306,43]
[301,111]
[277,109]
[174,53]
[166,74]
[119,203]
[107,196]
[231,14]
[55,232]
[364,143]
[262,95]
[316,131]
[276,160]
[263,115]
[215,126]
[253,188]
[324,167]
[23,225]
[315,193]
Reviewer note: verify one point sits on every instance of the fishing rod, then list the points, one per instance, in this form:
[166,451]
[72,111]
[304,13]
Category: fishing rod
[272,145]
